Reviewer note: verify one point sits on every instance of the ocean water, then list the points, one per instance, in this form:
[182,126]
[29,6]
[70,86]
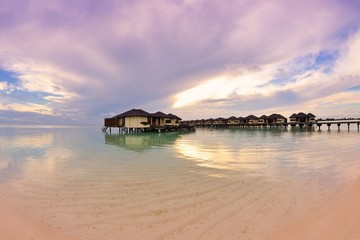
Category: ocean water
[208,184]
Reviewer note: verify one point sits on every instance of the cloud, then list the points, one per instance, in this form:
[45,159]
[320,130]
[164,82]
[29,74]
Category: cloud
[309,81]
[83,59]
[30,107]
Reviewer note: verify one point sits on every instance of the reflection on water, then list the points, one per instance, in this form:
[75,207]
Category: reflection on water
[29,151]
[89,185]
[142,141]
[272,151]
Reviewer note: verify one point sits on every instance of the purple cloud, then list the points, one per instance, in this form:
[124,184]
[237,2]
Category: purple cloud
[97,57]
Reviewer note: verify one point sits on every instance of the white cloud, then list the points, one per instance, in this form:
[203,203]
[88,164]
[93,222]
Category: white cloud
[311,85]
[102,57]
[348,64]
[29,107]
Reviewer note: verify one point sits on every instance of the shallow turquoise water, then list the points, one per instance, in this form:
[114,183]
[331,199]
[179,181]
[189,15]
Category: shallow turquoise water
[39,152]
[82,170]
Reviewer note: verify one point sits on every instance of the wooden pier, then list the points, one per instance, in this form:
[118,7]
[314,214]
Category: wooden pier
[338,123]
[259,125]
[301,125]
[138,120]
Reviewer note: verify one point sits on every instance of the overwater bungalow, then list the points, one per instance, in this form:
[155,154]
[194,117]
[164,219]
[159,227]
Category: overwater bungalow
[134,118]
[242,120]
[302,118]
[231,121]
[159,119]
[251,119]
[199,122]
[138,119]
[209,122]
[276,119]
[263,119]
[174,120]
[220,121]
[297,119]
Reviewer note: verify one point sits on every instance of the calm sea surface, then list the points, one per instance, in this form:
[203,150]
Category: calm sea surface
[114,185]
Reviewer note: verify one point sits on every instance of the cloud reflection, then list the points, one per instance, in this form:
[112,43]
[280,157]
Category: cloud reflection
[30,153]
[218,156]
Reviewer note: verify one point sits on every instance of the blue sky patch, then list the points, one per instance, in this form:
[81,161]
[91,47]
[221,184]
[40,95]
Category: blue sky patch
[326,60]
[282,80]
[9,77]
[353,89]
[323,61]
[18,95]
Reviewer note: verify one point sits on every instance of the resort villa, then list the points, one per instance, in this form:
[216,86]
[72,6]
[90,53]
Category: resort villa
[302,118]
[138,119]
[233,120]
[252,120]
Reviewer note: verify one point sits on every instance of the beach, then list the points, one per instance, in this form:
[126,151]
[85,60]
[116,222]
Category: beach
[16,225]
[336,218]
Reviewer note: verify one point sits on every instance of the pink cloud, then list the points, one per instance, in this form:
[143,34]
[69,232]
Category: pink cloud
[115,55]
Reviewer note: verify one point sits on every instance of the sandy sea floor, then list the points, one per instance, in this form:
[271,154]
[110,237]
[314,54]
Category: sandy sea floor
[200,210]
[58,187]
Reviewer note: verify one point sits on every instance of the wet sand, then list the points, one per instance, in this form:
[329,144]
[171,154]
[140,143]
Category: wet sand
[271,212]
[15,225]
[337,219]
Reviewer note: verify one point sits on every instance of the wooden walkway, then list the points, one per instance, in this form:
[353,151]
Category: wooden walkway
[338,123]
[187,128]
[318,123]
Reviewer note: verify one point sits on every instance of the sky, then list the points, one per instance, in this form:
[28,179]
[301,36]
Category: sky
[77,62]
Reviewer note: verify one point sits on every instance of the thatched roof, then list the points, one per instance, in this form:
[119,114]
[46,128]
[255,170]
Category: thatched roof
[160,115]
[141,113]
[134,113]
[310,115]
[275,116]
[263,117]
[252,117]
[232,118]
[174,116]
[302,115]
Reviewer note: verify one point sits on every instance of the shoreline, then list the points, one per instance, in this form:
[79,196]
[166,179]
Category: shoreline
[16,225]
[337,219]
